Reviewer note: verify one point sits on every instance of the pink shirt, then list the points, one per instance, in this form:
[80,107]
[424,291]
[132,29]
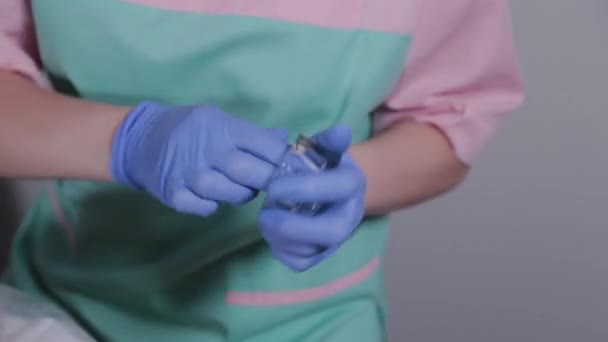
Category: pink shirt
[462,74]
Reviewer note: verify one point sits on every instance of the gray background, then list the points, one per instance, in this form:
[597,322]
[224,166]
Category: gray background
[520,251]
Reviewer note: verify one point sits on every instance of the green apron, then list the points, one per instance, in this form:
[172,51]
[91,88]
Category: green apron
[129,269]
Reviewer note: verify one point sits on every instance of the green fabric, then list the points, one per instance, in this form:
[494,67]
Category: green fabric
[142,272]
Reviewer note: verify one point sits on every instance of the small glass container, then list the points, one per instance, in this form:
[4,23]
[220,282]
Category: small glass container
[305,156]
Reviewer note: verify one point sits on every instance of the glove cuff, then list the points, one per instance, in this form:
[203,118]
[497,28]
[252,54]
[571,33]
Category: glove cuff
[126,141]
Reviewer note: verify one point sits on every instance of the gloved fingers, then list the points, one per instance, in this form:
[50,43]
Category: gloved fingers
[336,139]
[246,169]
[265,145]
[290,247]
[301,264]
[183,200]
[324,230]
[326,187]
[296,263]
[281,133]
[301,250]
[215,186]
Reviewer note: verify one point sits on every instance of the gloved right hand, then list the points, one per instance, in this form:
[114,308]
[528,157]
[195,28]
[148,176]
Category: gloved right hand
[193,157]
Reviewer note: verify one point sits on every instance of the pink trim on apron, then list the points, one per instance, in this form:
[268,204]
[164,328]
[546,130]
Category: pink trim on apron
[303,295]
[61,217]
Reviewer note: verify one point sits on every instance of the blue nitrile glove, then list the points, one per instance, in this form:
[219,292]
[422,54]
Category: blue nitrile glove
[193,157]
[300,241]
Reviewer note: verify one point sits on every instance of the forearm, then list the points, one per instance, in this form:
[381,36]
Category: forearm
[48,135]
[406,165]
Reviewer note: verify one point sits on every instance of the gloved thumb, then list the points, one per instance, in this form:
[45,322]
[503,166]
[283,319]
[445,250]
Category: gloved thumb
[336,139]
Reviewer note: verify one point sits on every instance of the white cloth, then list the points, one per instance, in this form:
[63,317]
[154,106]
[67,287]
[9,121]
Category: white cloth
[26,319]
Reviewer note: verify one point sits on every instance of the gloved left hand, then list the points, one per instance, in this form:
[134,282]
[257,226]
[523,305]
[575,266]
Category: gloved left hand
[300,241]
[192,158]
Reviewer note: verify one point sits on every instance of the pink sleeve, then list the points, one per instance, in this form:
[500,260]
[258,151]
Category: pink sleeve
[18,51]
[462,75]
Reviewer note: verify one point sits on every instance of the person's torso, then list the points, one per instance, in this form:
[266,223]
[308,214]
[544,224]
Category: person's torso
[304,65]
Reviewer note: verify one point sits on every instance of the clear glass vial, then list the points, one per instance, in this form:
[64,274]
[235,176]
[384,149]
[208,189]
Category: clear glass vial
[305,156]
